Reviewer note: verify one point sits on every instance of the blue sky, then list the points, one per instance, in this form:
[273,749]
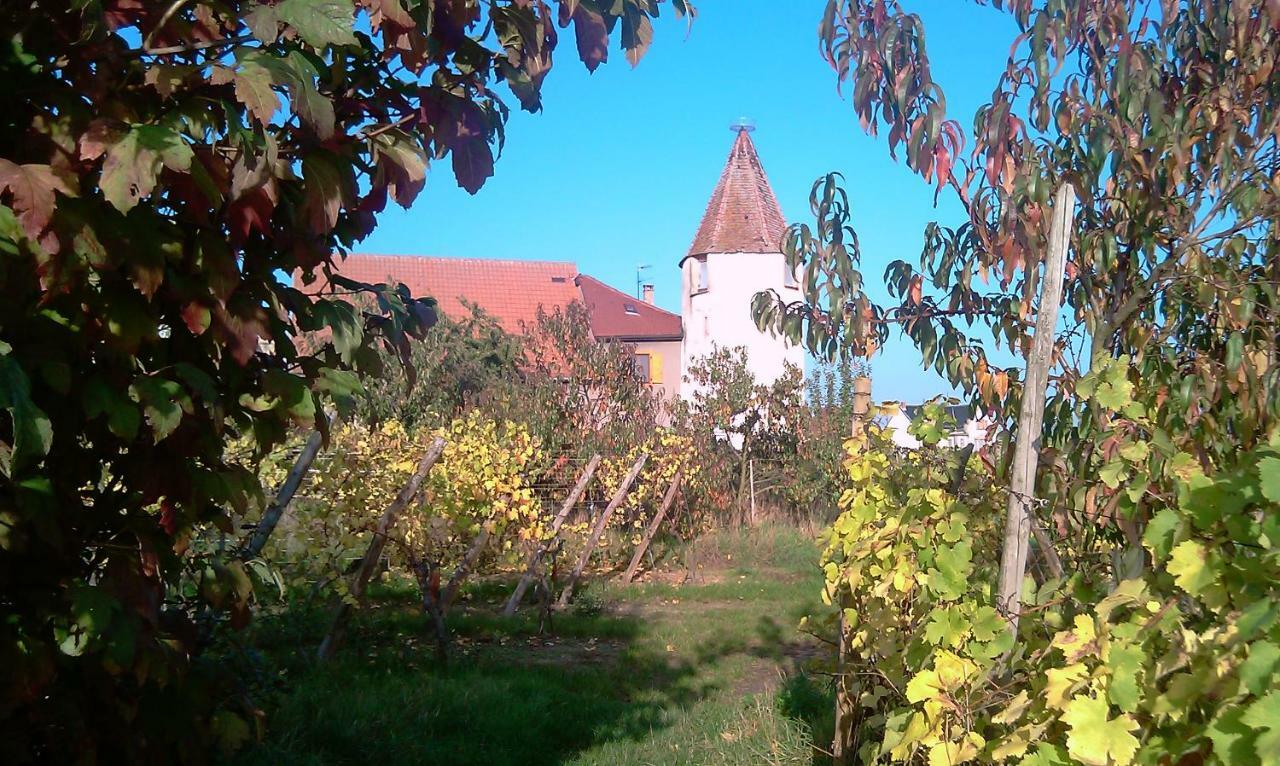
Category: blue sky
[617,168]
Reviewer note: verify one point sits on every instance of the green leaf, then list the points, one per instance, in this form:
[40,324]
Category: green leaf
[319,22]
[1096,739]
[1125,663]
[1232,740]
[1264,715]
[1188,564]
[32,431]
[134,162]
[1269,472]
[1257,671]
[163,401]
[1160,533]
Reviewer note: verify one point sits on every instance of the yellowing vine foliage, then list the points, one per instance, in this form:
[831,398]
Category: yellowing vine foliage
[478,483]
[1167,653]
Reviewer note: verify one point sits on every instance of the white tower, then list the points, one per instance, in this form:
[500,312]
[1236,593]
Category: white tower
[736,254]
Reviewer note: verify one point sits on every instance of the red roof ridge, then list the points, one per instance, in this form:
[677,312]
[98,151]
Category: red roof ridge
[459,259]
[743,214]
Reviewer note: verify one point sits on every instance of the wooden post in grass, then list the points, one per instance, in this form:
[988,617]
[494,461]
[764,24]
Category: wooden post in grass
[598,532]
[374,554]
[536,556]
[271,517]
[1018,523]
[667,501]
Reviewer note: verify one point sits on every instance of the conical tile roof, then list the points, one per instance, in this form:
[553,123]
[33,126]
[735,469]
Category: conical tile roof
[743,216]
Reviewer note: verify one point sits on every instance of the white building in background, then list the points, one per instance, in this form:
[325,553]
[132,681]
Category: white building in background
[736,254]
[970,428]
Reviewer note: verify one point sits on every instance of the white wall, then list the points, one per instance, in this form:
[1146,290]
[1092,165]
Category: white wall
[721,316]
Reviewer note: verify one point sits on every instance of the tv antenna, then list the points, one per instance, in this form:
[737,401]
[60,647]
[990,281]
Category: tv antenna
[640,269]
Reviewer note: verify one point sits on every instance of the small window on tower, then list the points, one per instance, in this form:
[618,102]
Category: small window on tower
[704,275]
[789,276]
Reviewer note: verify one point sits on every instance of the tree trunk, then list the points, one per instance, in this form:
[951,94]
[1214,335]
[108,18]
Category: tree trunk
[672,491]
[1026,452]
[374,554]
[598,532]
[535,558]
[429,583]
[271,517]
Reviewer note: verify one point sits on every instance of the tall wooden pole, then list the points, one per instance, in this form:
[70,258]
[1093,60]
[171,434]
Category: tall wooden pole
[371,557]
[1026,451]
[271,517]
[535,558]
[598,532]
[667,501]
[842,743]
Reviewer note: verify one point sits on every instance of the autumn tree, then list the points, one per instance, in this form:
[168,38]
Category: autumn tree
[1163,119]
[162,165]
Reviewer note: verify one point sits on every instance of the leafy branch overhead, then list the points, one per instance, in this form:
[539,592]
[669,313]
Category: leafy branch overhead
[165,167]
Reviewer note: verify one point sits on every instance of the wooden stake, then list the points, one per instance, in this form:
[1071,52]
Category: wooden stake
[271,517]
[535,558]
[598,532]
[842,742]
[464,569]
[667,501]
[1026,451]
[372,556]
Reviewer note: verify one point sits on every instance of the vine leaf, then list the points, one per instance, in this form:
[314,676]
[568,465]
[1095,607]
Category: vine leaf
[32,188]
[319,22]
[1264,715]
[32,432]
[134,162]
[1096,739]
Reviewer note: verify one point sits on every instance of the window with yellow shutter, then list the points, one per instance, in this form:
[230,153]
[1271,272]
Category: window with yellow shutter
[655,367]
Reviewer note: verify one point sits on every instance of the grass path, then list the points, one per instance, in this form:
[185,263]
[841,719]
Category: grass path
[655,673]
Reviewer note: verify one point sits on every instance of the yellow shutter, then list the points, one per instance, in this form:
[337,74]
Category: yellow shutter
[655,367]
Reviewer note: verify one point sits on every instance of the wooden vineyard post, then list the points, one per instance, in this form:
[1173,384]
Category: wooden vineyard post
[667,501]
[464,568]
[372,556]
[598,532]
[1026,450]
[842,743]
[535,558]
[271,517]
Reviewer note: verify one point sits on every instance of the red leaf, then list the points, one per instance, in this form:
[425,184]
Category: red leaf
[197,317]
[914,292]
[473,164]
[32,190]
[593,37]
[168,517]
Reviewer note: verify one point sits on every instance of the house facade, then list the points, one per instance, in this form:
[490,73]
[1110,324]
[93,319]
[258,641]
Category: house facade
[972,428]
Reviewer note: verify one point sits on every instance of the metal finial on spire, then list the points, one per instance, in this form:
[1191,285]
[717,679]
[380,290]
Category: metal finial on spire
[743,125]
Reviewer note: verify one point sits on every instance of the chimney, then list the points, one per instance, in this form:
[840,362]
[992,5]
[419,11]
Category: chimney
[647,292]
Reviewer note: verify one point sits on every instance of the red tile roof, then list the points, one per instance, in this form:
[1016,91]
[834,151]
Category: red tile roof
[743,215]
[611,319]
[511,291]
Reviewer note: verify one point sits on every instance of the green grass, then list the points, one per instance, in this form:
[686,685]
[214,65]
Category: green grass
[664,673]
